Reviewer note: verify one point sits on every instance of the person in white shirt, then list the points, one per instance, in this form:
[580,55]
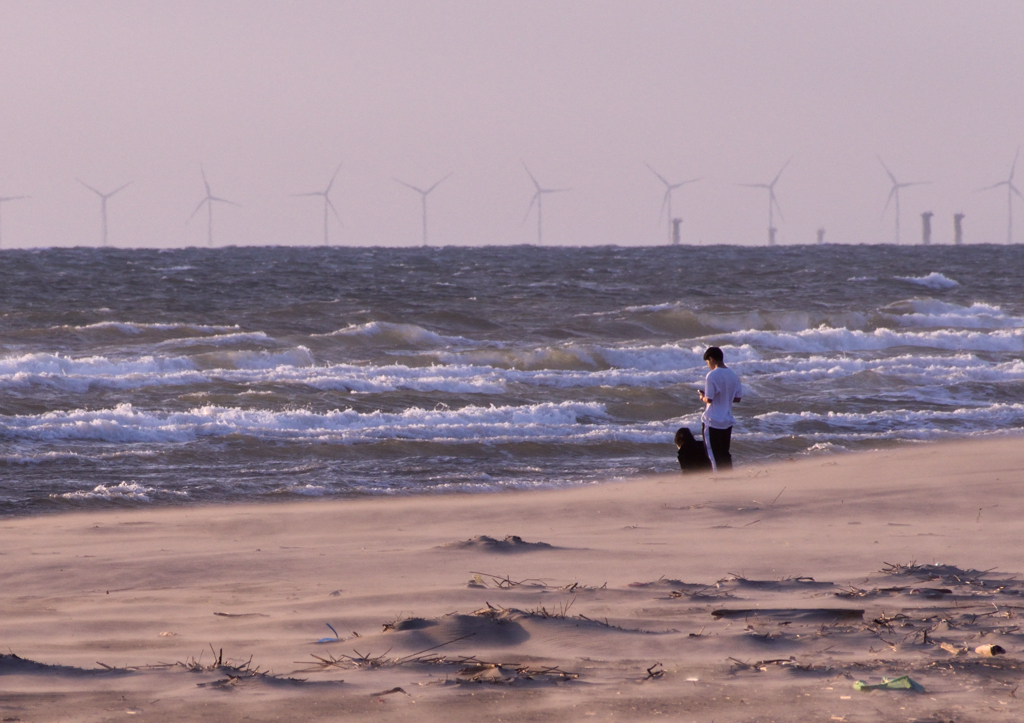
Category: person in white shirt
[721,390]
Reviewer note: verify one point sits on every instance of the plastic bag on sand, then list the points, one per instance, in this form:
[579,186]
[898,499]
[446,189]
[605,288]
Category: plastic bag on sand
[904,682]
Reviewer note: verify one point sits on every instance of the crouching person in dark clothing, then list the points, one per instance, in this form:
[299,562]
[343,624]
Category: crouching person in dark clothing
[693,455]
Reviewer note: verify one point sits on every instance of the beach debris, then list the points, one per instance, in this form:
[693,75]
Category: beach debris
[360,660]
[904,682]
[510,543]
[508,673]
[167,634]
[952,649]
[655,671]
[498,613]
[335,639]
[790,613]
[762,665]
[990,651]
[242,615]
[388,692]
[412,623]
[503,581]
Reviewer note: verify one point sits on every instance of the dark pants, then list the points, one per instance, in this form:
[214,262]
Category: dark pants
[718,445]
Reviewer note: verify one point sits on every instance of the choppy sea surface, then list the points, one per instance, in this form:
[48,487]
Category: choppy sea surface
[143,377]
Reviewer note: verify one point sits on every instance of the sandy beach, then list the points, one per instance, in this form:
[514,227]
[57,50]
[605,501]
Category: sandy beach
[763,594]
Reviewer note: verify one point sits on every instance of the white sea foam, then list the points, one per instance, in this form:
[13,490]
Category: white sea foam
[133,327]
[824,339]
[250,337]
[932,313]
[934,280]
[576,422]
[409,335]
[130,491]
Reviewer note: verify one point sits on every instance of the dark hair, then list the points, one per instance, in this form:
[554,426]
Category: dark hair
[684,436]
[715,353]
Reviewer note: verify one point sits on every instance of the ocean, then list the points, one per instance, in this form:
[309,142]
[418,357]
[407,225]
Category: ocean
[143,378]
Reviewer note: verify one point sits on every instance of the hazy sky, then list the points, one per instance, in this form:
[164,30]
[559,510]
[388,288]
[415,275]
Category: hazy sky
[271,96]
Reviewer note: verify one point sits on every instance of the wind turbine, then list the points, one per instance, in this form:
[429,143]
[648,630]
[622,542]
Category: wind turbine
[894,192]
[1010,190]
[537,197]
[3,200]
[666,201]
[103,203]
[424,192]
[773,203]
[326,193]
[208,201]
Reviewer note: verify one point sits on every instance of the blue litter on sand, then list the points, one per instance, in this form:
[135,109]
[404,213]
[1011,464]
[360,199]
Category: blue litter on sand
[335,639]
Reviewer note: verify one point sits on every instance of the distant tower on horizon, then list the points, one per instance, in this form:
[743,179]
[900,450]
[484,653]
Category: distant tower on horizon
[958,229]
[926,227]
[821,235]
[676,222]
[771,235]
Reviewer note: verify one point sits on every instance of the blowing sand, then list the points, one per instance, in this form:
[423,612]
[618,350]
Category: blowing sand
[758,595]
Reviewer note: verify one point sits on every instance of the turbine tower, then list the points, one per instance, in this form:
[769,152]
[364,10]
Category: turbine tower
[666,201]
[424,192]
[326,194]
[103,203]
[208,202]
[773,203]
[894,192]
[3,200]
[1010,190]
[537,198]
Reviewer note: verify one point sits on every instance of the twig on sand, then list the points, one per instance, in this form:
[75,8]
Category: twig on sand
[506,583]
[359,660]
[777,497]
[653,673]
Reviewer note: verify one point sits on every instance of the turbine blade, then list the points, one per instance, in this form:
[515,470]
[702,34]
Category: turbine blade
[529,208]
[201,203]
[331,206]
[224,200]
[206,183]
[660,177]
[778,208]
[994,185]
[892,193]
[779,174]
[686,183]
[89,187]
[409,185]
[12,198]
[336,172]
[311,193]
[536,185]
[439,182]
[664,201]
[119,189]
[754,185]
[1012,188]
[891,177]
